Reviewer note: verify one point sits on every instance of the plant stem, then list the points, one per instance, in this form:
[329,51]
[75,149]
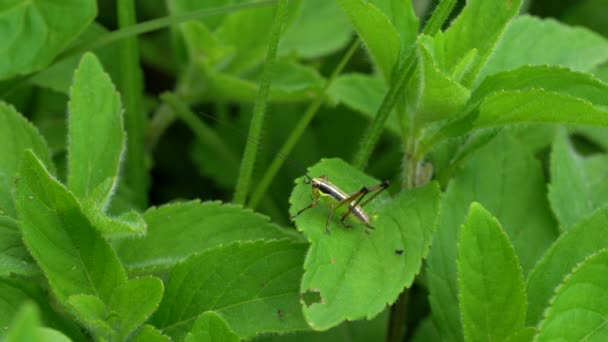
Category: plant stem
[259,107]
[412,159]
[404,72]
[299,129]
[131,90]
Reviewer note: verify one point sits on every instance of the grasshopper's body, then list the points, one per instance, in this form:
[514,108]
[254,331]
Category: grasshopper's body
[323,189]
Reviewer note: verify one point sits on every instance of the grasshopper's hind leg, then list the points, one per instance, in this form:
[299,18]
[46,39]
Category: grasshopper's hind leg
[358,196]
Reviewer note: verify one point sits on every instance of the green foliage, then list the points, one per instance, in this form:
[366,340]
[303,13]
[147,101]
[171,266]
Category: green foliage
[578,309]
[35,32]
[492,297]
[112,225]
[346,267]
[237,281]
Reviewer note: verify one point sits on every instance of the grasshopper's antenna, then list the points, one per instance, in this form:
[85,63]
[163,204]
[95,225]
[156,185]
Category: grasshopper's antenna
[258,143]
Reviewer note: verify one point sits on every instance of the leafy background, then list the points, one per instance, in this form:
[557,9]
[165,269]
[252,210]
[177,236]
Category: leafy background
[121,147]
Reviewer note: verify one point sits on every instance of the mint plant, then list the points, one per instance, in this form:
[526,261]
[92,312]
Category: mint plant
[149,204]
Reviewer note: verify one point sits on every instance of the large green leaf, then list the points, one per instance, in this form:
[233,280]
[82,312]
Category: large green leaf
[505,178]
[33,33]
[176,231]
[478,27]
[346,267]
[72,254]
[377,32]
[210,327]
[96,147]
[585,238]
[533,41]
[240,281]
[491,285]
[579,310]
[573,192]
[96,134]
[512,107]
[551,78]
[16,135]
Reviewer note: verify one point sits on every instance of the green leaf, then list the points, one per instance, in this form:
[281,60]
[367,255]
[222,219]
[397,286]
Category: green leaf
[92,312]
[26,327]
[431,94]
[34,32]
[380,262]
[533,41]
[72,254]
[490,281]
[14,257]
[490,177]
[377,32]
[177,231]
[210,327]
[465,34]
[59,75]
[16,135]
[585,238]
[133,303]
[579,309]
[320,28]
[290,82]
[577,184]
[543,77]
[238,282]
[128,224]
[96,134]
[11,298]
[538,106]
[149,333]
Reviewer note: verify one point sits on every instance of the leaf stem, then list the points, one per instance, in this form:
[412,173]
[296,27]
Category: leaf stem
[299,129]
[259,107]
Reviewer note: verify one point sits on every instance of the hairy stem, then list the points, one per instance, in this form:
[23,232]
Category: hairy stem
[259,107]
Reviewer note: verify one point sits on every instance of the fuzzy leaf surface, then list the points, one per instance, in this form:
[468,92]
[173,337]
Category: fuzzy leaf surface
[33,33]
[532,41]
[490,281]
[376,31]
[577,187]
[210,327]
[16,135]
[579,309]
[357,272]
[583,239]
[488,177]
[96,134]
[464,34]
[245,283]
[176,231]
[72,254]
